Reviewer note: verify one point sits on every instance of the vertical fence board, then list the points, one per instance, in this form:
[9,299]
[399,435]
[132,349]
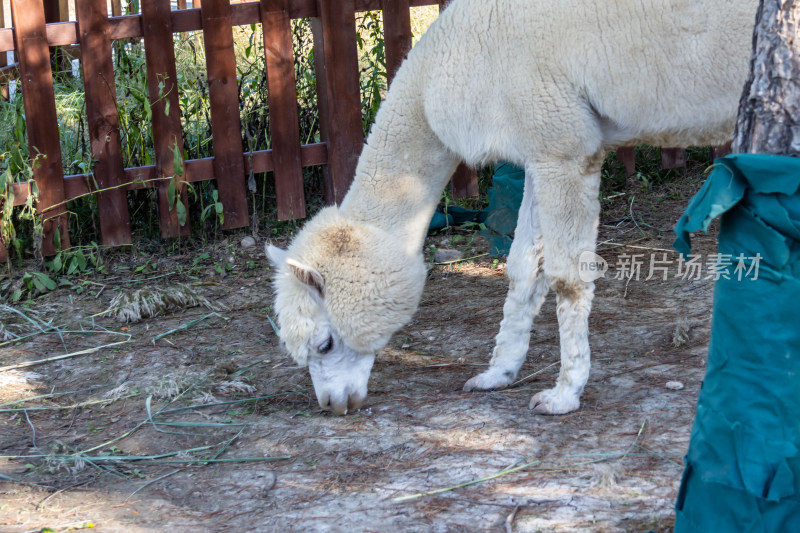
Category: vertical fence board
[3,62]
[226,128]
[673,157]
[116,7]
[336,60]
[464,182]
[103,120]
[3,56]
[163,90]
[284,126]
[396,33]
[720,151]
[627,156]
[40,118]
[4,96]
[58,11]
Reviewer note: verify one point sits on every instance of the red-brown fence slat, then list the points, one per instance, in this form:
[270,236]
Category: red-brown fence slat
[464,182]
[4,96]
[720,151]
[396,33]
[283,120]
[163,90]
[336,60]
[56,10]
[103,121]
[226,128]
[627,156]
[3,84]
[41,119]
[673,157]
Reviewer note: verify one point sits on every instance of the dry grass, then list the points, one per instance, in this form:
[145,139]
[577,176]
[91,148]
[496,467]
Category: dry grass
[134,305]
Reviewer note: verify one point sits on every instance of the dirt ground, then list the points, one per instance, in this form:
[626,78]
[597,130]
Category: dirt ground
[614,465]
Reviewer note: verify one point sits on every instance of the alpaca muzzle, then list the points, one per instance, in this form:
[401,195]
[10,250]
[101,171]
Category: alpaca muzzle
[340,380]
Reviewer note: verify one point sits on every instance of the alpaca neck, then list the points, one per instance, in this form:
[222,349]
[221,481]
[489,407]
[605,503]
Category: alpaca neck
[401,174]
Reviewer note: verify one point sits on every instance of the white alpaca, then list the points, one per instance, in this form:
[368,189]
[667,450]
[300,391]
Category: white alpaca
[550,86]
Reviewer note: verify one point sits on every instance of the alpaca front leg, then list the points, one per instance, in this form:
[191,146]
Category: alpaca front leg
[569,215]
[526,294]
[574,301]
[527,291]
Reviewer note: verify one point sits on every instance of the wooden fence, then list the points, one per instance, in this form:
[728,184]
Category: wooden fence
[337,71]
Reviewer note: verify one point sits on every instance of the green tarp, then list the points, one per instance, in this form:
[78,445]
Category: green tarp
[499,217]
[742,469]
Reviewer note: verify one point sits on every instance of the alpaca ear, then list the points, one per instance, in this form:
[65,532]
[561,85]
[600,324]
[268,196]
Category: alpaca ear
[277,256]
[308,275]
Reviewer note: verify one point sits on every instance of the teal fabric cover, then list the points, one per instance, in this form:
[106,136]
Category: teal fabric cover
[742,470]
[505,197]
[499,217]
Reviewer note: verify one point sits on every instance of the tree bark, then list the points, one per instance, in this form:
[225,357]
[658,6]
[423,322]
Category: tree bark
[769,109]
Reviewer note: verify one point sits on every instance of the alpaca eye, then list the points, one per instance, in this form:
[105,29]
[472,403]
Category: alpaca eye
[326,346]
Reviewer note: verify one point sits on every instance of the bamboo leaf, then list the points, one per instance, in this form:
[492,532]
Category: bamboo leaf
[181,212]
[171,194]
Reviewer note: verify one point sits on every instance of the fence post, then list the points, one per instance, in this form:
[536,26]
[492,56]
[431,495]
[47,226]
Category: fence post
[464,182]
[396,34]
[673,157]
[58,11]
[3,62]
[41,119]
[720,151]
[339,93]
[4,96]
[226,127]
[627,156]
[284,126]
[163,90]
[103,120]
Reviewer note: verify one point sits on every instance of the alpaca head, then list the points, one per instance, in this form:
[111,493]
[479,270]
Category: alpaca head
[341,290]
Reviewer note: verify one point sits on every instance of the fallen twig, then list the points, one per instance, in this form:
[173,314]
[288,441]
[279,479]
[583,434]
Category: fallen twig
[187,326]
[462,259]
[465,484]
[61,407]
[227,402]
[51,395]
[65,356]
[535,373]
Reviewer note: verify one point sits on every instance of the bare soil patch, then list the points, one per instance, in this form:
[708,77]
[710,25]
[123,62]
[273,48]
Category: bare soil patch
[612,466]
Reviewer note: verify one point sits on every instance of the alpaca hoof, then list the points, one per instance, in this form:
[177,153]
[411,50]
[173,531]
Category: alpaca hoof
[552,402]
[489,380]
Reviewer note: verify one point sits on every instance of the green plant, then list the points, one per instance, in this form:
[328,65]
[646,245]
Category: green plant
[215,208]
[174,187]
[372,53]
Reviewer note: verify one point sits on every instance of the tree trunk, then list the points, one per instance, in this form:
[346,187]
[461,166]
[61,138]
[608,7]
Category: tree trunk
[769,110]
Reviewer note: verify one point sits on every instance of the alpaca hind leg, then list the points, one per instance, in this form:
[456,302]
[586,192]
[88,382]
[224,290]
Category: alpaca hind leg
[527,291]
[569,215]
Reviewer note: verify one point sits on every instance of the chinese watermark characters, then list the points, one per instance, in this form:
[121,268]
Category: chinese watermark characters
[693,267]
